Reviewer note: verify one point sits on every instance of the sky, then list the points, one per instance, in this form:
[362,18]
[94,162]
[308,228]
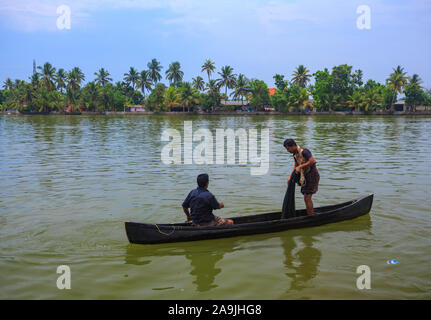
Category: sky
[255,37]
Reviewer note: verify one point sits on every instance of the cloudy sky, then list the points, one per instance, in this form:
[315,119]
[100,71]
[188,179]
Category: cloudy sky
[256,37]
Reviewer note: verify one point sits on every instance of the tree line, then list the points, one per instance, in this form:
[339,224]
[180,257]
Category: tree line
[50,89]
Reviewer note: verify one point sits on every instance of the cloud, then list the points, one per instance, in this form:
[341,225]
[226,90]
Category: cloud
[210,15]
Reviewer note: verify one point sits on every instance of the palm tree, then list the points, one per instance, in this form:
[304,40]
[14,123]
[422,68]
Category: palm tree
[303,98]
[212,87]
[416,80]
[172,98]
[396,82]
[371,100]
[74,80]
[227,78]
[27,95]
[102,77]
[209,67]
[61,79]
[8,84]
[35,80]
[144,81]
[356,99]
[131,77]
[213,92]
[174,73]
[187,97]
[241,88]
[301,76]
[91,94]
[199,83]
[48,76]
[154,68]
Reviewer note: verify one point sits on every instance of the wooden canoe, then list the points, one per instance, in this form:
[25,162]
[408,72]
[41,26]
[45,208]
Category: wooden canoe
[151,233]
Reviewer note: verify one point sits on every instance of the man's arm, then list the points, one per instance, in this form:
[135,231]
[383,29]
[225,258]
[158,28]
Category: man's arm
[187,212]
[215,204]
[309,163]
[186,206]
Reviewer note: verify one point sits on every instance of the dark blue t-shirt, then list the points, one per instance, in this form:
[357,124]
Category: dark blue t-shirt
[201,203]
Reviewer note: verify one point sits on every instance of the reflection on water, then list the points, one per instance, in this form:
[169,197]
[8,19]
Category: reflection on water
[204,268]
[302,266]
[301,263]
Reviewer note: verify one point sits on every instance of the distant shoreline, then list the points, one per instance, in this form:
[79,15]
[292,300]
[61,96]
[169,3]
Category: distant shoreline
[259,113]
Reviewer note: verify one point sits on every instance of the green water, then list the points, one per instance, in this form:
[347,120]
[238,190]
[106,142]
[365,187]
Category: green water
[67,183]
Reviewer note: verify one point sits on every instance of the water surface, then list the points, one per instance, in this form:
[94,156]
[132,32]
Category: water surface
[67,183]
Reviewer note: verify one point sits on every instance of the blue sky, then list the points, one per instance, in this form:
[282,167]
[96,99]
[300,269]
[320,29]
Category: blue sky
[257,38]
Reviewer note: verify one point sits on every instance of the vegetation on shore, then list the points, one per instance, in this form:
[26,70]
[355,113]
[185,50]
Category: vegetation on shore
[341,89]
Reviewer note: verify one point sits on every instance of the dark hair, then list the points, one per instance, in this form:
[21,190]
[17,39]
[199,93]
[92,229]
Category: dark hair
[289,143]
[203,180]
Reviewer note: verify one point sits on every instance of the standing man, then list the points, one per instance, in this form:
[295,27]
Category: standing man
[305,165]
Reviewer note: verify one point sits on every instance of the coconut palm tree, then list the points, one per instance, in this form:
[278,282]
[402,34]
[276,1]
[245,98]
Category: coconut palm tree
[61,79]
[241,88]
[301,76]
[356,99]
[145,82]
[8,84]
[35,80]
[416,80]
[48,76]
[102,77]
[371,100]
[396,82]
[227,78]
[131,77]
[154,68]
[26,96]
[212,87]
[74,80]
[209,67]
[199,83]
[174,73]
[172,98]
[90,95]
[188,99]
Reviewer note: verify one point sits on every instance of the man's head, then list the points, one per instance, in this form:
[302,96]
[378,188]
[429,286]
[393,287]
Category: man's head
[203,180]
[290,145]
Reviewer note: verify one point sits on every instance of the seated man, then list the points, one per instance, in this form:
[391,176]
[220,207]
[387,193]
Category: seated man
[202,202]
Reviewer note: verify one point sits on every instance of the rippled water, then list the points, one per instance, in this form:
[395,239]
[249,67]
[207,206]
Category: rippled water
[67,183]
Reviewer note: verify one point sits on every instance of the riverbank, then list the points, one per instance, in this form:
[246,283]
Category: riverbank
[224,113]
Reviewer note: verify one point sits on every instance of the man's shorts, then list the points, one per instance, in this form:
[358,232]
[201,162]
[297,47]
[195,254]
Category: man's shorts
[311,183]
[217,222]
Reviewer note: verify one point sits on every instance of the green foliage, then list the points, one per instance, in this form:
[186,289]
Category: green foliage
[174,73]
[279,101]
[259,93]
[279,82]
[156,100]
[340,89]
[415,96]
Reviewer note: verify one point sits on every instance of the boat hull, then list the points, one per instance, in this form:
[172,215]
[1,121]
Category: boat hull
[147,233]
